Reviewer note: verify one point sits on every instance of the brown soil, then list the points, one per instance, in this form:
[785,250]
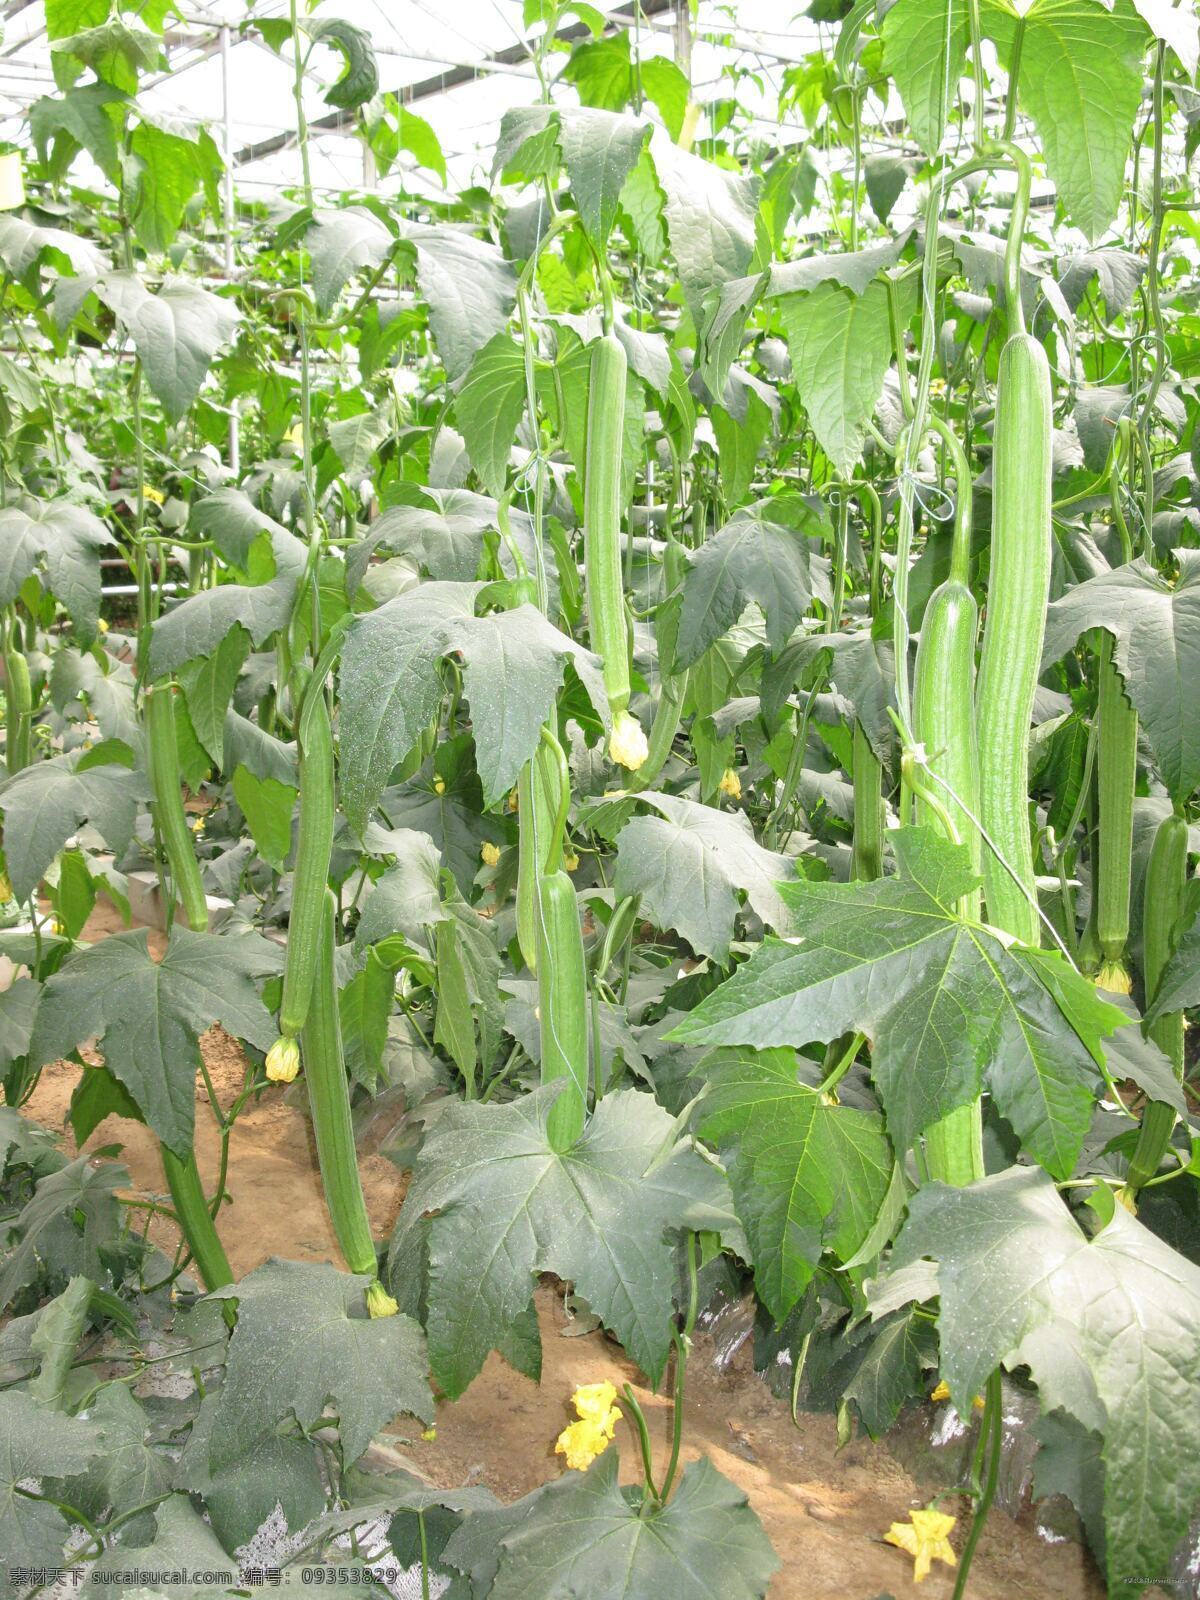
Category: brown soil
[825,1511]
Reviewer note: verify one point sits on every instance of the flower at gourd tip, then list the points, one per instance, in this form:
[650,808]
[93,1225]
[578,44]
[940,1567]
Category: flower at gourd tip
[283,1060]
[627,743]
[380,1302]
[730,784]
[490,853]
[584,1440]
[925,1537]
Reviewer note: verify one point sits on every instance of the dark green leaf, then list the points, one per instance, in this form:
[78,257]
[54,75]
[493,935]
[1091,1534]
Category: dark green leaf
[303,1340]
[148,1015]
[945,1003]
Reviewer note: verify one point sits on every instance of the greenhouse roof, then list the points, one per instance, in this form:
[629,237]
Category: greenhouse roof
[460,66]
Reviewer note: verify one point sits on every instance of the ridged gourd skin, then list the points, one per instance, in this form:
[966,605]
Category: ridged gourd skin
[18,700]
[868,808]
[329,1102]
[195,1219]
[563,1013]
[1116,781]
[535,826]
[1164,892]
[607,630]
[1014,630]
[944,712]
[314,847]
[166,782]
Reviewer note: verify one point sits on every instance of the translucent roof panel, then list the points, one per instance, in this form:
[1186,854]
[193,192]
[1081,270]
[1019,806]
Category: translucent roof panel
[460,65]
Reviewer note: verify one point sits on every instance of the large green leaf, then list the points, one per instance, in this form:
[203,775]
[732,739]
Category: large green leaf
[79,120]
[23,245]
[1156,629]
[753,557]
[340,244]
[303,1340]
[274,1469]
[208,683]
[391,682]
[1107,1326]
[200,624]
[860,669]
[584,1535]
[66,540]
[600,149]
[925,50]
[689,863]
[391,685]
[184,1548]
[808,1175]
[710,217]
[489,407]
[359,81]
[841,347]
[36,1442]
[72,1216]
[148,1015]
[1080,80]
[49,801]
[469,287]
[176,332]
[169,166]
[948,1005]
[494,1205]
[128,1472]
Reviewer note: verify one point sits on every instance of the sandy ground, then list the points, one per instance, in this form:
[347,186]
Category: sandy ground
[825,1511]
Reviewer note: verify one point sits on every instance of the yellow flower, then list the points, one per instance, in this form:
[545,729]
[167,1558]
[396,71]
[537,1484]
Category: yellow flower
[925,1538]
[6,893]
[942,1392]
[379,1301]
[439,786]
[102,625]
[197,825]
[937,386]
[570,860]
[155,496]
[429,1435]
[627,742]
[584,1440]
[490,853]
[730,784]
[295,435]
[283,1061]
[594,1401]
[514,801]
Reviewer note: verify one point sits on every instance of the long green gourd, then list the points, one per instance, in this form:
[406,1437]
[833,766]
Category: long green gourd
[314,846]
[673,690]
[1165,887]
[333,1126]
[181,1172]
[563,1012]
[18,702]
[166,782]
[1018,589]
[1116,779]
[944,679]
[608,631]
[944,724]
[535,828]
[867,776]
